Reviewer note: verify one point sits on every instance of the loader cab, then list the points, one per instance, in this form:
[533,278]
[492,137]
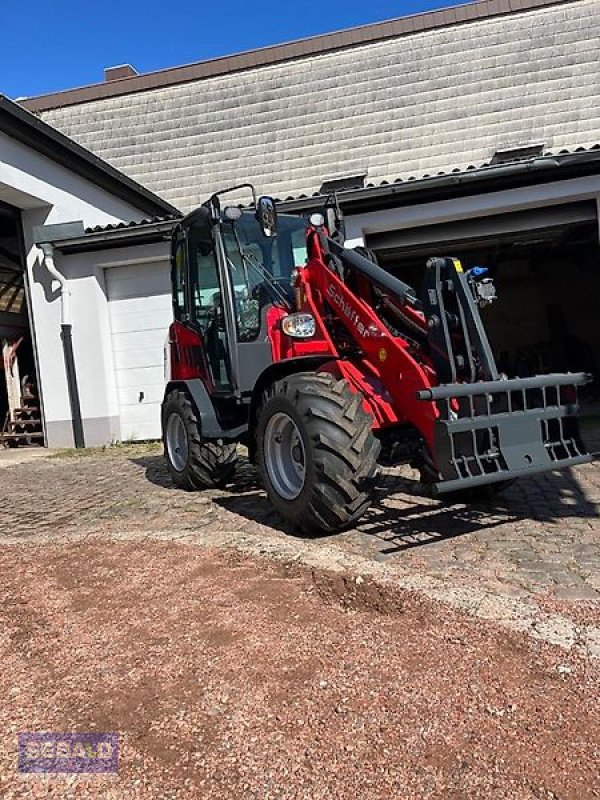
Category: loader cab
[226,271]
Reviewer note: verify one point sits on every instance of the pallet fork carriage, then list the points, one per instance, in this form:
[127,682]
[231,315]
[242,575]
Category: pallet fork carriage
[325,365]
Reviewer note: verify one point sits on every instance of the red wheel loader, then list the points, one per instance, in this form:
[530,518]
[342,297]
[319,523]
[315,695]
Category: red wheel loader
[325,365]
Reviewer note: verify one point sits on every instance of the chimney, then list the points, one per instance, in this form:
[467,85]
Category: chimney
[122,71]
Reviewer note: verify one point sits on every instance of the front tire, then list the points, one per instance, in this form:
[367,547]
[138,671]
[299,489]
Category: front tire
[316,452]
[192,462]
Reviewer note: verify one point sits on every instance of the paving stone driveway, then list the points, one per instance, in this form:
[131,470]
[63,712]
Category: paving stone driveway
[541,537]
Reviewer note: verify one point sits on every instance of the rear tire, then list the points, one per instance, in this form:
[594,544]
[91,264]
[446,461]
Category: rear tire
[316,452]
[193,463]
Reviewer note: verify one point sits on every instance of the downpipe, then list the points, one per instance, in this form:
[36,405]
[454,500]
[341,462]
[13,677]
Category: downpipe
[67,342]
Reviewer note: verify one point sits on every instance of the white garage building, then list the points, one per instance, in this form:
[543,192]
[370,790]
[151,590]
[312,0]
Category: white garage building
[472,130]
[134,304]
[47,180]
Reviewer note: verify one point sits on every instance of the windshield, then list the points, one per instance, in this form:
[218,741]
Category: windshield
[261,267]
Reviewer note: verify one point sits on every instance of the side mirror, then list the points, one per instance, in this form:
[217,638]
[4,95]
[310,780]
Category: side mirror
[334,219]
[266,214]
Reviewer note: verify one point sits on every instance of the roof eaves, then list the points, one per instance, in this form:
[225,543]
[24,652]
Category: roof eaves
[420,188]
[288,51]
[102,238]
[20,124]
[121,226]
[485,175]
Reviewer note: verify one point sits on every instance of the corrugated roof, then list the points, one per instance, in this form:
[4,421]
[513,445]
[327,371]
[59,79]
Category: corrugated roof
[456,171]
[126,225]
[550,160]
[561,165]
[572,151]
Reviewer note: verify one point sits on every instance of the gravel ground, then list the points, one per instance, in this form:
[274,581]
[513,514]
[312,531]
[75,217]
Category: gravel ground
[531,560]
[230,676]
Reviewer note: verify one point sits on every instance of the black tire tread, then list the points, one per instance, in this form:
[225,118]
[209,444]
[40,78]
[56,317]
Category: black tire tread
[210,464]
[344,451]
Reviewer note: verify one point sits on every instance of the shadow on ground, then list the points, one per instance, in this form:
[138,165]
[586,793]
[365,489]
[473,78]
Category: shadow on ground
[402,515]
[245,479]
[413,521]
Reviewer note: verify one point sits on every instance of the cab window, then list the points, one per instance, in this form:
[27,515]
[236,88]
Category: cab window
[261,267]
[207,301]
[178,280]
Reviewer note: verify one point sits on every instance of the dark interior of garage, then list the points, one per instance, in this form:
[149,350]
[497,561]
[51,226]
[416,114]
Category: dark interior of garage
[548,282]
[20,423]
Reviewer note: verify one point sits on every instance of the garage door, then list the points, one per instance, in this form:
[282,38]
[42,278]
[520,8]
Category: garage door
[140,313]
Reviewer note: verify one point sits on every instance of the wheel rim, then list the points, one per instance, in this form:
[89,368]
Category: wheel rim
[177,442]
[285,458]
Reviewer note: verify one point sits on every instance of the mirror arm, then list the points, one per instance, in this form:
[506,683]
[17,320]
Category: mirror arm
[215,205]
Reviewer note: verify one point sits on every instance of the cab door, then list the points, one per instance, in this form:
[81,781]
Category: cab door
[200,300]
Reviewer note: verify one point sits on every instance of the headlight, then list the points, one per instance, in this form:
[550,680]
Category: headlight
[299,326]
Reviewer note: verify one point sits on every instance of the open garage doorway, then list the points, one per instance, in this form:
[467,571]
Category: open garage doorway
[546,266]
[547,277]
[20,407]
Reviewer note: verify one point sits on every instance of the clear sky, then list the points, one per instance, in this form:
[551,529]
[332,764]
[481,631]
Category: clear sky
[48,45]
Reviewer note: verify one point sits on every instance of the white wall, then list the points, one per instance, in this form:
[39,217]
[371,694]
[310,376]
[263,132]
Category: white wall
[48,193]
[92,343]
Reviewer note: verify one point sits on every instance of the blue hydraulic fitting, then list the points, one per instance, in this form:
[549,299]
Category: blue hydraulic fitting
[477,272]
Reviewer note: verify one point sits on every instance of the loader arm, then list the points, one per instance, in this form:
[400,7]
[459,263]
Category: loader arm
[478,427]
[383,368]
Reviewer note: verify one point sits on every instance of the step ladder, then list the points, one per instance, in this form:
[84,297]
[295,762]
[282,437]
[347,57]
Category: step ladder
[22,427]
[23,421]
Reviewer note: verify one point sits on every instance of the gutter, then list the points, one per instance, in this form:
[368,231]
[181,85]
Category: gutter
[372,198]
[141,233]
[43,238]
[65,306]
